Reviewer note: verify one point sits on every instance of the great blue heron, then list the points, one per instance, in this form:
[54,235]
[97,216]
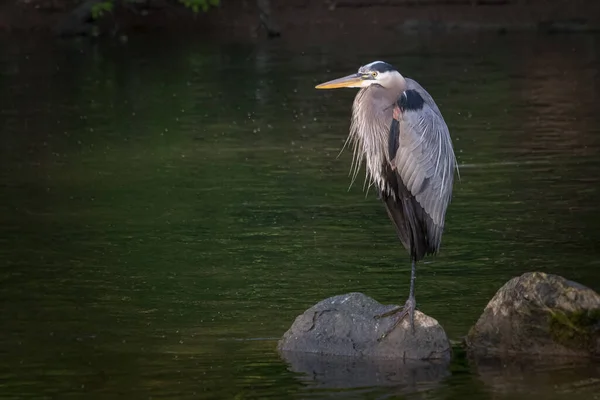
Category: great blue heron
[399,131]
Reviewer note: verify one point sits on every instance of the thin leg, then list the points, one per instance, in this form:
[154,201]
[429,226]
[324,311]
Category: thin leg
[407,310]
[411,293]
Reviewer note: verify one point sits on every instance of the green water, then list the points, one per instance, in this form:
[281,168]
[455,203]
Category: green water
[169,206]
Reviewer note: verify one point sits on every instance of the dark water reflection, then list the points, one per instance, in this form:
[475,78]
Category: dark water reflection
[333,372]
[169,206]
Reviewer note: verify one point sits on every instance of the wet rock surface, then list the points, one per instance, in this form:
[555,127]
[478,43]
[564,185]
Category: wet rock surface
[346,325]
[538,313]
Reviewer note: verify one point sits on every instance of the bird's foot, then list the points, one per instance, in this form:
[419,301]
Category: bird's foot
[408,310]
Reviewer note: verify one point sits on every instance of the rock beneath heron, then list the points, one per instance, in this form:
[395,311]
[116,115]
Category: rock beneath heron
[346,325]
[541,314]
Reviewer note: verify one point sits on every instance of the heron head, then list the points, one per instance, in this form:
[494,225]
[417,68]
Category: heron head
[377,72]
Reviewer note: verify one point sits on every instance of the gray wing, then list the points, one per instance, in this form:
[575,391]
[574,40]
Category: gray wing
[425,162]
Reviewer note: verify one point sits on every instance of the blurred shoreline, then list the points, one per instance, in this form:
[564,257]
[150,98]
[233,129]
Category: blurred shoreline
[235,17]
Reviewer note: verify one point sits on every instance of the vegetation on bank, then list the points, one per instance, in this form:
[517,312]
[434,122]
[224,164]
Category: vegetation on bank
[96,17]
[82,20]
[106,6]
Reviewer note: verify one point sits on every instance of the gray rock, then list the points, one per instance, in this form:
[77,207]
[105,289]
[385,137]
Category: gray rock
[541,314]
[345,325]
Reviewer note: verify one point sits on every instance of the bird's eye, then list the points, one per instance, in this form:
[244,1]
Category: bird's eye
[374,74]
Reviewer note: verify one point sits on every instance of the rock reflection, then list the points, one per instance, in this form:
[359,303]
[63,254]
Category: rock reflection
[550,376]
[337,372]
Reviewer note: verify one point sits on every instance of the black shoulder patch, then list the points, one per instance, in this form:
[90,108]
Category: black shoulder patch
[411,100]
[394,138]
[382,67]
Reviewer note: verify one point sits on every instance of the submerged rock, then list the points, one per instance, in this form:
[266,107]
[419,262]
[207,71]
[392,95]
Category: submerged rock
[346,325]
[338,372]
[538,313]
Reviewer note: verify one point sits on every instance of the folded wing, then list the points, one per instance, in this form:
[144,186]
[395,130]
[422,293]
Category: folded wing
[422,157]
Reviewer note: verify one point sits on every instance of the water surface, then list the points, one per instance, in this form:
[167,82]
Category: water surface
[168,207]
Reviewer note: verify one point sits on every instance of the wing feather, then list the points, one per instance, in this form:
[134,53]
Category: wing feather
[425,161]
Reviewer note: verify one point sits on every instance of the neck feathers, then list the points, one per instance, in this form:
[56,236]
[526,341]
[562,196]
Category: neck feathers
[369,130]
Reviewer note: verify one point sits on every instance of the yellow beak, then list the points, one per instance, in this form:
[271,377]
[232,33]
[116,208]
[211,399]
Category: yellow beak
[354,80]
